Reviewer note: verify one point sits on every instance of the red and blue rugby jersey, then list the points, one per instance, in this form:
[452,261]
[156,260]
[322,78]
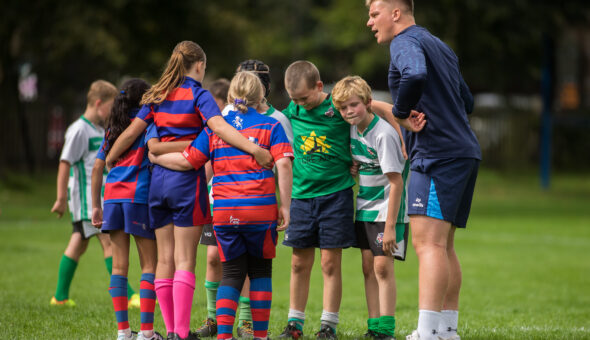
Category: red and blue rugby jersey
[243,191]
[184,112]
[129,179]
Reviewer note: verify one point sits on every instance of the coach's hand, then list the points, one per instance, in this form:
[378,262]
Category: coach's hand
[389,244]
[416,121]
[97,217]
[284,217]
[59,207]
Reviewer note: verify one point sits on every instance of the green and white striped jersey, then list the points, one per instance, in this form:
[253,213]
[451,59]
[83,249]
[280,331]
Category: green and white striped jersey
[81,145]
[378,150]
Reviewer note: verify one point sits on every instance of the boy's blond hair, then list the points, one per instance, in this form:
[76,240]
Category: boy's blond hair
[301,70]
[348,87]
[407,4]
[100,89]
[245,90]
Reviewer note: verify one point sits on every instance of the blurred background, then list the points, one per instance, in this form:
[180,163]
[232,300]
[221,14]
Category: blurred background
[527,63]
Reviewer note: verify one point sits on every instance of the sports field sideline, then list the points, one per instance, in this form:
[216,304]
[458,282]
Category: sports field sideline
[525,258]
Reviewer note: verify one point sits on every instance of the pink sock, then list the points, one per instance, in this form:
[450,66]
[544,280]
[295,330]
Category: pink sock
[163,289]
[184,290]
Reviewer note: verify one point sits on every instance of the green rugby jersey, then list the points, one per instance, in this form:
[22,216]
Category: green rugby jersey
[81,145]
[322,150]
[378,150]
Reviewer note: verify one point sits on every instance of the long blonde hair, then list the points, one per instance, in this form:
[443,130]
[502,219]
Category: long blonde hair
[245,90]
[184,56]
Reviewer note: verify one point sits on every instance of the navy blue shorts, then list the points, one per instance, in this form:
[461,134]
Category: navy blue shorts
[322,222]
[178,197]
[132,218]
[257,240]
[442,188]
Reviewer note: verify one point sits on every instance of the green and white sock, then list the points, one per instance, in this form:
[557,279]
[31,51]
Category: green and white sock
[245,312]
[211,288]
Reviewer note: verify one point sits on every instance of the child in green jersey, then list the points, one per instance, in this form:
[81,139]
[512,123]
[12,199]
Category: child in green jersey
[381,218]
[77,158]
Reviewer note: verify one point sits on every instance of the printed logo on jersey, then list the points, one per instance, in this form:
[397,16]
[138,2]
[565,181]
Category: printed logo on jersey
[238,122]
[234,220]
[329,112]
[314,144]
[253,140]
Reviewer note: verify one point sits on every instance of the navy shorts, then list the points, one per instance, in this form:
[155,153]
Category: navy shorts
[442,188]
[132,218]
[322,222]
[178,197]
[257,240]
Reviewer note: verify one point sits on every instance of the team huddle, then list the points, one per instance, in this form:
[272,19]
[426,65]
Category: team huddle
[177,165]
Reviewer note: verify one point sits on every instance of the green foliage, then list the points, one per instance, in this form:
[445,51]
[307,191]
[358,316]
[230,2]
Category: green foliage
[524,258]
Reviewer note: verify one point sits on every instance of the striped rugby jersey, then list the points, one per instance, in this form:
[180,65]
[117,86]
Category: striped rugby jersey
[129,179]
[184,112]
[80,148]
[244,192]
[378,150]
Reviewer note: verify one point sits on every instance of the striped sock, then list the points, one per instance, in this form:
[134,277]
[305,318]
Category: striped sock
[147,298]
[183,291]
[260,300]
[67,268]
[227,302]
[211,288]
[118,292]
[164,293]
[245,313]
[108,262]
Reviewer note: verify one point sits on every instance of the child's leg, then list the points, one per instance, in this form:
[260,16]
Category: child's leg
[212,279]
[244,305]
[67,266]
[185,253]
[371,290]
[163,283]
[301,265]
[384,271]
[118,287]
[146,249]
[260,273]
[331,261]
[234,273]
[105,243]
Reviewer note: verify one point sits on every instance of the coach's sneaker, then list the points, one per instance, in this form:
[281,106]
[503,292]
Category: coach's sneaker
[66,302]
[209,328]
[155,336]
[134,301]
[291,331]
[121,335]
[326,332]
[452,337]
[245,331]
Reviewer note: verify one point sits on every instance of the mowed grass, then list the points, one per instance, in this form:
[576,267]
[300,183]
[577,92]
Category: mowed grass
[525,258]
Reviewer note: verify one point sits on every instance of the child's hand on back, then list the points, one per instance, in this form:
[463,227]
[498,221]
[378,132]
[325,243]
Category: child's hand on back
[284,217]
[59,207]
[264,158]
[97,217]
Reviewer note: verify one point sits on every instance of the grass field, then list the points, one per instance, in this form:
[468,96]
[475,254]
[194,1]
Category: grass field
[525,260]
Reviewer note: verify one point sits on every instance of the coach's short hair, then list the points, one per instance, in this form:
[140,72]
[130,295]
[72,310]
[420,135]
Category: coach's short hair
[348,87]
[301,70]
[101,89]
[407,4]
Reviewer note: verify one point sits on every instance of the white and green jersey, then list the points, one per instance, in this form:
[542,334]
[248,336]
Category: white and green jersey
[81,145]
[378,150]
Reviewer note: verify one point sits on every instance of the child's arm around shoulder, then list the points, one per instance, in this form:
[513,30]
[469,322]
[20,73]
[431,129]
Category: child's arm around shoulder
[194,156]
[285,178]
[125,140]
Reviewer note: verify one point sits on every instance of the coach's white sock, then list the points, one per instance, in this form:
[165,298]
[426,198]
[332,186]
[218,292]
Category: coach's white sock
[448,323]
[428,321]
[329,318]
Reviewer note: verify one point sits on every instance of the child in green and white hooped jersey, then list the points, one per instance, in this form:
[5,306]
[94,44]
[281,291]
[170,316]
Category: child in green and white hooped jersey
[381,218]
[82,140]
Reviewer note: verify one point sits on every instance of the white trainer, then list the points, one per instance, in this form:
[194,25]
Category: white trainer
[155,336]
[123,336]
[452,337]
[413,336]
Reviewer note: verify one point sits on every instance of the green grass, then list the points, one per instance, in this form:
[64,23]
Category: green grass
[525,258]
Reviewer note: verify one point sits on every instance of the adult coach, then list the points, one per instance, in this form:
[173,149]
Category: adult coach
[424,77]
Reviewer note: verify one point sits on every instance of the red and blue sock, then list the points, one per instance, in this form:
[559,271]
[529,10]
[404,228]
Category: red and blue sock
[147,300]
[227,303]
[260,301]
[118,291]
